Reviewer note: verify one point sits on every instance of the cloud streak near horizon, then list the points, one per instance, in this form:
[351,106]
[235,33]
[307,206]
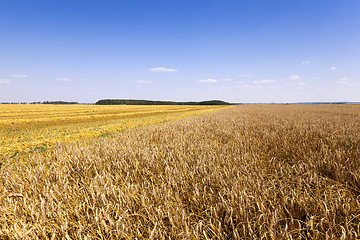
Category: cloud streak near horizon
[162,69]
[15,75]
[209,80]
[4,80]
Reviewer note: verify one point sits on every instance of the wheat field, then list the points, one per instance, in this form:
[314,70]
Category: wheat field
[246,172]
[25,128]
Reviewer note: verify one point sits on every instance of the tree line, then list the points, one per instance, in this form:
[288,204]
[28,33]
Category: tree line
[149,102]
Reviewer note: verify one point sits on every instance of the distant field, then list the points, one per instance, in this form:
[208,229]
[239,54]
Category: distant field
[36,127]
[245,172]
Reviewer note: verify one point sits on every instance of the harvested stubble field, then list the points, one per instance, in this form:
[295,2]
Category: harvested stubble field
[247,172]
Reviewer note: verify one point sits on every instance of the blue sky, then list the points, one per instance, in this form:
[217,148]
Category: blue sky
[234,50]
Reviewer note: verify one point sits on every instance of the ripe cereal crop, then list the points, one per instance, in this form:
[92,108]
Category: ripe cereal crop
[25,128]
[245,172]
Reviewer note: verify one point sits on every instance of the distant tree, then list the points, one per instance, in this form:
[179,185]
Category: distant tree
[148,102]
[59,102]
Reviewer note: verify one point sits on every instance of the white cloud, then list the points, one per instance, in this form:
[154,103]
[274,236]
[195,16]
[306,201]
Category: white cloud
[294,77]
[264,81]
[226,79]
[333,68]
[305,62]
[162,69]
[3,80]
[317,78]
[209,80]
[343,80]
[15,75]
[64,79]
[143,82]
[245,75]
